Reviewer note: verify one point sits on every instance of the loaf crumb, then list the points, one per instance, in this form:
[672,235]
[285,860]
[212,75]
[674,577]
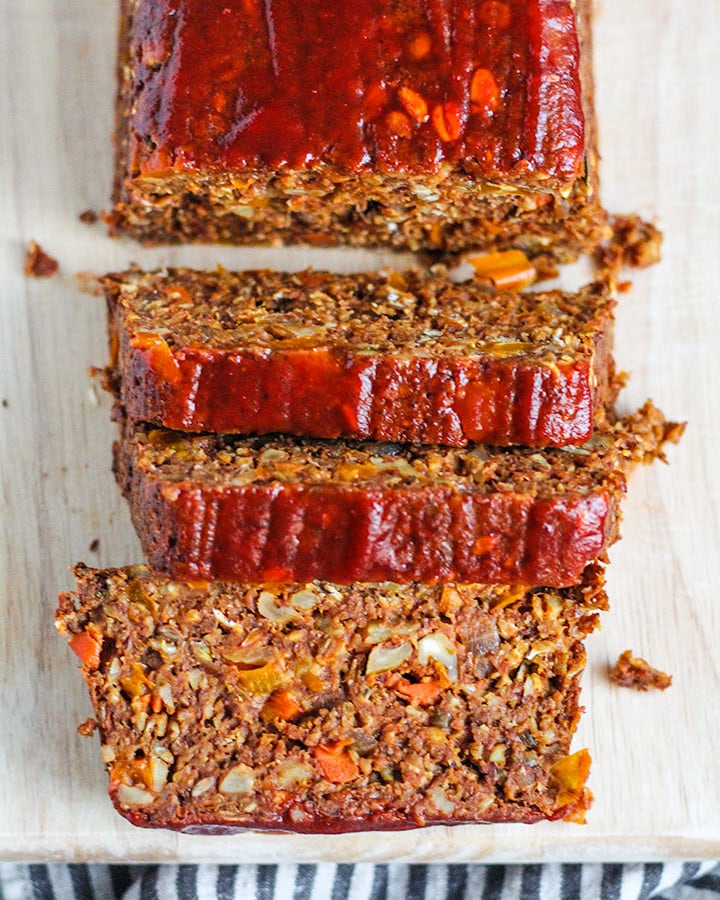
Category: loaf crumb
[633,672]
[637,241]
[38,263]
[87,728]
[88,216]
[634,242]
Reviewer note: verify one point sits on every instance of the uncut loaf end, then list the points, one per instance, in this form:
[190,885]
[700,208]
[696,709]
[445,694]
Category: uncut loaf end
[379,126]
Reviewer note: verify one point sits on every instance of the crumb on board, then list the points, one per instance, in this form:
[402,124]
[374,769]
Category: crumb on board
[87,728]
[634,242]
[88,216]
[638,241]
[634,672]
[38,263]
[5,402]
[94,545]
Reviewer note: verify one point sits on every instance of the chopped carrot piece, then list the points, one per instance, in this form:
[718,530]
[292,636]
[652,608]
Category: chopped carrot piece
[570,774]
[336,763]
[312,681]
[281,705]
[413,103]
[136,684]
[277,575]
[424,693]
[262,680]
[509,270]
[178,294]
[87,648]
[484,544]
[484,91]
[136,770]
[160,353]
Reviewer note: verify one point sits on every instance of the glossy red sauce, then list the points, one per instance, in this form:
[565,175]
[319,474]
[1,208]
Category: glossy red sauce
[282,532]
[318,393]
[385,85]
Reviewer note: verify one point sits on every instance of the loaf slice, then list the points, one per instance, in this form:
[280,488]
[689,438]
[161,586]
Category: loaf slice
[384,122]
[391,357]
[318,708]
[222,507]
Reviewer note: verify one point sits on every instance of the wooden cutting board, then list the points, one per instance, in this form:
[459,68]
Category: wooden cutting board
[655,773]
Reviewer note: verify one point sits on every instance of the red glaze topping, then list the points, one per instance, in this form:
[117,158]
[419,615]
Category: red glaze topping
[319,393]
[283,533]
[399,86]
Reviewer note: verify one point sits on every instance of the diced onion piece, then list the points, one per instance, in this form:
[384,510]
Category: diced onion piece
[279,615]
[248,655]
[224,621]
[242,210]
[166,695]
[239,780]
[304,599]
[377,633]
[195,678]
[498,755]
[554,604]
[441,801]
[114,670]
[158,773]
[202,653]
[382,659]
[107,753]
[437,646]
[129,795]
[203,786]
[293,773]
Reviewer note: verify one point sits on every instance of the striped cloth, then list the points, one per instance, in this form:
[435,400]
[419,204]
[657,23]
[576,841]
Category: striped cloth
[326,881]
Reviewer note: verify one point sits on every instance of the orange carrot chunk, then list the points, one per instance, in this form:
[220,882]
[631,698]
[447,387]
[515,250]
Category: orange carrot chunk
[281,705]
[509,270]
[336,763]
[424,693]
[87,648]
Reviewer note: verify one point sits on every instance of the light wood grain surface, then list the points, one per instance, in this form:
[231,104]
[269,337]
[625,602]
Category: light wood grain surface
[655,774]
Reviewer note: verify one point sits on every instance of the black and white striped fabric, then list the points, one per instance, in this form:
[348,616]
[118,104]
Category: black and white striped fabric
[649,881]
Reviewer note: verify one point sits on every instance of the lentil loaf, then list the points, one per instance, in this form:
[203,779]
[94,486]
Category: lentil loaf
[390,357]
[277,508]
[318,708]
[440,126]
